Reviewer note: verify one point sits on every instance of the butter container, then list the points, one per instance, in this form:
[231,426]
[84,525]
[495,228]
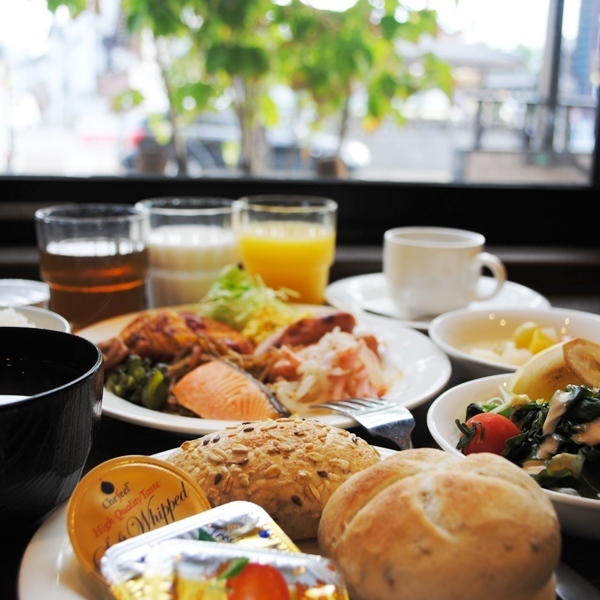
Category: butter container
[186,569]
[127,497]
[240,522]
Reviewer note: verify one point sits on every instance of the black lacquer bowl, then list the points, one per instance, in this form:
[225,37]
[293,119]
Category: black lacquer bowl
[45,437]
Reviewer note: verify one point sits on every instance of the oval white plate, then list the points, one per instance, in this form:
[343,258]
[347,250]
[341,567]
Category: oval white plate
[425,371]
[50,569]
[578,516]
[369,293]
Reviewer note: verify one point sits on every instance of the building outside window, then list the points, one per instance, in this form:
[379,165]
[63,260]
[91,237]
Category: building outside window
[521,109]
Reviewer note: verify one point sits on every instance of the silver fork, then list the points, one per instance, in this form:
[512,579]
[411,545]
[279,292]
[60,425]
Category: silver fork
[379,417]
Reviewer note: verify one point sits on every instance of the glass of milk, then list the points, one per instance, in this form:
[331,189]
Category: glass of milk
[190,239]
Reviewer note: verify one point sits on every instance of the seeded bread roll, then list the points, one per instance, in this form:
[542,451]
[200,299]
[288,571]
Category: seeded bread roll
[290,467]
[425,524]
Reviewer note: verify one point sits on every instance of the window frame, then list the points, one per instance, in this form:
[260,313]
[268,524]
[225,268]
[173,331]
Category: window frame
[523,215]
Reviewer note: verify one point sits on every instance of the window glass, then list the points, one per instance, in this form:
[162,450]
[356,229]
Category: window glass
[489,93]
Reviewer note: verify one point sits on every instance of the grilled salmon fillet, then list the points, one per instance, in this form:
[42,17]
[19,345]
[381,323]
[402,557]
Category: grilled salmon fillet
[217,390]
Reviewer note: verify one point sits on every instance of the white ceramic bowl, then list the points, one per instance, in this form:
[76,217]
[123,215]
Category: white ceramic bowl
[43,318]
[458,331]
[578,516]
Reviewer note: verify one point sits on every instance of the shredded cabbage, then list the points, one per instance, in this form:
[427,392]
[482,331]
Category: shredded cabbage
[236,296]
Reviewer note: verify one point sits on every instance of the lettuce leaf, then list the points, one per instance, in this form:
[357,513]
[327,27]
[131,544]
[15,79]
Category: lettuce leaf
[236,294]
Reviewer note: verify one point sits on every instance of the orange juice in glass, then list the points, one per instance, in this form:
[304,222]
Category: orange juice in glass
[289,241]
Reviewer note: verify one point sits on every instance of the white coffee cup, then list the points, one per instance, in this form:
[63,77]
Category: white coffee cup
[431,270]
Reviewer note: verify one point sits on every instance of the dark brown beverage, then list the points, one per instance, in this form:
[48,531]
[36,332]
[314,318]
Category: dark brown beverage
[91,280]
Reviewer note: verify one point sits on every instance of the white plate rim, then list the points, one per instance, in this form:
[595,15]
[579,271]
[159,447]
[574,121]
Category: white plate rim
[425,371]
[351,293]
[49,568]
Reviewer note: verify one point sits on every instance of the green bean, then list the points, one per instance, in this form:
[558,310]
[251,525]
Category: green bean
[155,390]
[140,382]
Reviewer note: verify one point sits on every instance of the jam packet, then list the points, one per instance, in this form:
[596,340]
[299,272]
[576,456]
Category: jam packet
[186,569]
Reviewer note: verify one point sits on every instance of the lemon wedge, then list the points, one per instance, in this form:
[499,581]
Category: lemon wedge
[575,361]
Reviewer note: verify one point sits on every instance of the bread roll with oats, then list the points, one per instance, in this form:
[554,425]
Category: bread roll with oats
[290,467]
[425,524]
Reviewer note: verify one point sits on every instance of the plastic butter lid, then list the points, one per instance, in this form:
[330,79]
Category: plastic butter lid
[23,292]
[125,497]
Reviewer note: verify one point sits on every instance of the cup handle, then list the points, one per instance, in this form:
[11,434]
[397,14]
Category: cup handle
[496,266]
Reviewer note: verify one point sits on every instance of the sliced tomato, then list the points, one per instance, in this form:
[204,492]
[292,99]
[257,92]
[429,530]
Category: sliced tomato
[486,432]
[258,582]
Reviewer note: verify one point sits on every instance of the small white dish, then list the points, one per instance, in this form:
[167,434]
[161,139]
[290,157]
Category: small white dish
[23,292]
[578,516]
[50,569]
[43,318]
[369,293]
[459,332]
[425,370]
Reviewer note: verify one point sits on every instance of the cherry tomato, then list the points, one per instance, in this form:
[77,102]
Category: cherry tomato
[258,582]
[486,432]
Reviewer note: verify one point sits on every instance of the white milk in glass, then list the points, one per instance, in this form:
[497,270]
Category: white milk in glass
[186,259]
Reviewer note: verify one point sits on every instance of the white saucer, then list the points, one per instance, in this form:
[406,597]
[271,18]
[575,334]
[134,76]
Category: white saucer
[368,293]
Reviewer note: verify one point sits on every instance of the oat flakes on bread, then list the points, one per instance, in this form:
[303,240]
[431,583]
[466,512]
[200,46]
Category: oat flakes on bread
[425,524]
[289,466]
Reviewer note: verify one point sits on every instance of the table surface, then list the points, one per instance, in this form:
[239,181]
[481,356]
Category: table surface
[118,438]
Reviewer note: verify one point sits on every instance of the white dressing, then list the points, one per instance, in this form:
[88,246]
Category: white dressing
[549,447]
[589,434]
[555,412]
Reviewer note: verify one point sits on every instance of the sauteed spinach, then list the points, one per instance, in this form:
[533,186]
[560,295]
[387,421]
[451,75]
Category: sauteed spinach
[559,443]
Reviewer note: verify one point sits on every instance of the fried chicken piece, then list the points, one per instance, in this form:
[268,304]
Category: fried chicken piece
[219,332]
[160,334]
[163,334]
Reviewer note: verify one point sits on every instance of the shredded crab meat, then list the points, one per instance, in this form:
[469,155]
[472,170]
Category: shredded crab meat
[338,367]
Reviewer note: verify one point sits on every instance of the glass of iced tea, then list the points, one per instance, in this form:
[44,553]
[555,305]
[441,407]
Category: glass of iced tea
[289,240]
[94,258]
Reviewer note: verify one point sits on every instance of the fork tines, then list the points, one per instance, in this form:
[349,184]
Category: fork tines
[379,417]
[359,403]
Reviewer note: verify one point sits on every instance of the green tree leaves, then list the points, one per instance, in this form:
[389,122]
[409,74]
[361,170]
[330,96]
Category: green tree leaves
[239,48]
[237,59]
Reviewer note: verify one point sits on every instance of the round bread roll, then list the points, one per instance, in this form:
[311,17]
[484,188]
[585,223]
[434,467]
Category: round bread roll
[425,524]
[290,467]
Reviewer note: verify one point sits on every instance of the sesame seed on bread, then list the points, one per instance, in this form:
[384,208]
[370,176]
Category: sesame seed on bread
[290,467]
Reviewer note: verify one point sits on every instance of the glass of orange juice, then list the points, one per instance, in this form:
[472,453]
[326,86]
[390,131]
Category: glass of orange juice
[289,240]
